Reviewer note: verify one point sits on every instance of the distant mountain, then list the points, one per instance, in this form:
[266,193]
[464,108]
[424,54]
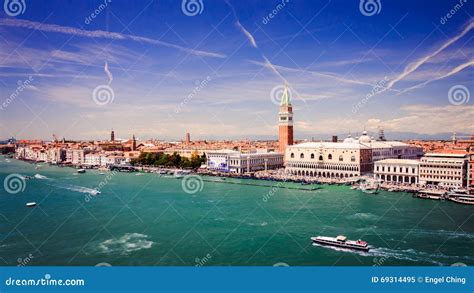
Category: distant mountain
[325,136]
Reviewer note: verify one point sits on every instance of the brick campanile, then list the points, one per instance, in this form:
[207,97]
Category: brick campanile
[285,122]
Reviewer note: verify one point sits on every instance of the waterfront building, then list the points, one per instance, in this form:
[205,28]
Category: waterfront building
[349,158]
[470,171]
[328,159]
[28,152]
[56,155]
[231,161]
[92,159]
[78,157]
[397,170]
[285,122]
[447,170]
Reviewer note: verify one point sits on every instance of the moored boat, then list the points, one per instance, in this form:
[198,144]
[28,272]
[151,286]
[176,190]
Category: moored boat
[80,171]
[341,241]
[461,196]
[469,200]
[370,186]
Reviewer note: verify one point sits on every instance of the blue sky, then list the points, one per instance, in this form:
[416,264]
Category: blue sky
[218,73]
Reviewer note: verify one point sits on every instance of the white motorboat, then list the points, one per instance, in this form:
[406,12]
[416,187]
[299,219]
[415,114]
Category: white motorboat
[31,204]
[341,241]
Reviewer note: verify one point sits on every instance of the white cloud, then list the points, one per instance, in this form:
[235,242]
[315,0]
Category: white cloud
[433,119]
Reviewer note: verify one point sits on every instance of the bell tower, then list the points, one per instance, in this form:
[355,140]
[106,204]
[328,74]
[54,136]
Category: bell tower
[285,122]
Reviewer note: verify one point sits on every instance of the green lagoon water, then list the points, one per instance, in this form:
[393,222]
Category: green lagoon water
[149,220]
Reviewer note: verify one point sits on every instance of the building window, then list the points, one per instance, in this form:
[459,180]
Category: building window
[340,158]
[292,155]
[329,157]
[353,158]
[312,156]
[320,158]
[301,156]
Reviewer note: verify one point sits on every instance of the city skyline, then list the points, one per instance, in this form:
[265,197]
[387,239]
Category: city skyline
[219,73]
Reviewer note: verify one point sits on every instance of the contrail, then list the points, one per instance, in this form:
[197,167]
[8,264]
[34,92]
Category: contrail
[32,25]
[323,74]
[273,68]
[252,41]
[414,66]
[107,71]
[453,71]
[247,34]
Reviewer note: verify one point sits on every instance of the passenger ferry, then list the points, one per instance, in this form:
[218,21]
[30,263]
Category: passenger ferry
[341,241]
[461,196]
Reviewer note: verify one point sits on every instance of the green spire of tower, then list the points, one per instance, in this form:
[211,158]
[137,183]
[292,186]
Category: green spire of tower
[285,98]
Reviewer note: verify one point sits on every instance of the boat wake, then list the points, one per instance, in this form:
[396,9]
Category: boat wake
[381,254]
[445,233]
[363,216]
[77,188]
[366,229]
[129,242]
[262,224]
[404,254]
[41,177]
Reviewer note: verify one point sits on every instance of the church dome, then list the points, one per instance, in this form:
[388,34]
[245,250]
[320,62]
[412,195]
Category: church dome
[364,138]
[349,139]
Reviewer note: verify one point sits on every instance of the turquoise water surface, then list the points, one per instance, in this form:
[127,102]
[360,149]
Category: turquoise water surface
[150,220]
